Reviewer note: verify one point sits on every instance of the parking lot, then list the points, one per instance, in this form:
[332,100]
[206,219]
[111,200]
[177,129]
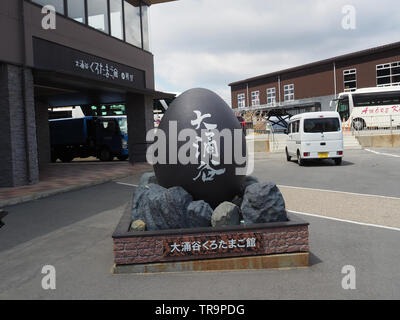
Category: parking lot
[352,210]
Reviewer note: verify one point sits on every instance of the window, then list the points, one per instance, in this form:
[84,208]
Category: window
[321,125]
[145,27]
[383,99]
[294,126]
[271,96]
[57,4]
[98,15]
[116,19]
[388,74]
[288,91]
[343,108]
[350,80]
[255,98]
[76,10]
[132,25]
[241,100]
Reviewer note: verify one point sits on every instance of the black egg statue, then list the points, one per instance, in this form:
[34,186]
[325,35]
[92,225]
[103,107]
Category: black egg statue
[200,126]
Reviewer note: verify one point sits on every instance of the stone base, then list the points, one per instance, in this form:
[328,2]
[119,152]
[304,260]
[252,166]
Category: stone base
[292,260]
[268,245]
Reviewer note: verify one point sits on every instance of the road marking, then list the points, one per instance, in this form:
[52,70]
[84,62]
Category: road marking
[342,192]
[383,153]
[348,221]
[127,184]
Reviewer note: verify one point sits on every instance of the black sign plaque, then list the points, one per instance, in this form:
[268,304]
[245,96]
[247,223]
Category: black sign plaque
[55,57]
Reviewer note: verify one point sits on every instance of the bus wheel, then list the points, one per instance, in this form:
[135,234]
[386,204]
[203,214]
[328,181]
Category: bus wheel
[105,155]
[358,124]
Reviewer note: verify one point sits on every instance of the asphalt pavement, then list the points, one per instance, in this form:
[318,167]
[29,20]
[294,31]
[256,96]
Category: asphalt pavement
[72,232]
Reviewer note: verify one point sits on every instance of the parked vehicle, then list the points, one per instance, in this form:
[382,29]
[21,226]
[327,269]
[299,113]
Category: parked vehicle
[101,137]
[315,135]
[377,107]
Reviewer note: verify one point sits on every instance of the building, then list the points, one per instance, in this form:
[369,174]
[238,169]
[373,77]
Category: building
[95,53]
[316,84]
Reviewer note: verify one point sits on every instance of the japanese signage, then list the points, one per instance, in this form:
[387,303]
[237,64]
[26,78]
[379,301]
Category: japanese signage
[54,57]
[209,245]
[209,146]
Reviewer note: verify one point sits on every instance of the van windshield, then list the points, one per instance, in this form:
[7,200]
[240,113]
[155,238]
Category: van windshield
[321,125]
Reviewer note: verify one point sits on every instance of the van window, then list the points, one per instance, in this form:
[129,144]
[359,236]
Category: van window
[296,126]
[321,125]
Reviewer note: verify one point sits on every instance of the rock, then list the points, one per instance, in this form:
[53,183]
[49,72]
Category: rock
[225,214]
[199,214]
[147,178]
[161,208]
[263,203]
[237,201]
[138,225]
[247,181]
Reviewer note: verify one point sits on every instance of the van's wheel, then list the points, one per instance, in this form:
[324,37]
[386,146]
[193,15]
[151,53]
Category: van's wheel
[288,158]
[105,155]
[338,161]
[358,124]
[300,161]
[122,158]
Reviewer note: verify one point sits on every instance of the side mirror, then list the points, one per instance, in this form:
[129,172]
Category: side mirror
[286,131]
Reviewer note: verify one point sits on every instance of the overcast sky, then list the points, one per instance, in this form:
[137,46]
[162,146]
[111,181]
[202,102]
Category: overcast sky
[210,43]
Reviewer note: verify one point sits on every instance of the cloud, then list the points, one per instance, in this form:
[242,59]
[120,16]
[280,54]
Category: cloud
[211,43]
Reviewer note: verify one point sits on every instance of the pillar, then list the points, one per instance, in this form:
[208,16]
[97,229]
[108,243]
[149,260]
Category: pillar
[139,111]
[18,148]
[42,133]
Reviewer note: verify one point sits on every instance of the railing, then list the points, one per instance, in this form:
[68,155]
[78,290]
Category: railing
[373,125]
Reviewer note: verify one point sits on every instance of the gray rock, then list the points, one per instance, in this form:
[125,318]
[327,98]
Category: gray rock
[161,208]
[147,178]
[263,203]
[247,181]
[225,214]
[138,225]
[199,214]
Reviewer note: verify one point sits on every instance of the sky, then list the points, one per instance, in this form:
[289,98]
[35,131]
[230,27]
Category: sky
[211,43]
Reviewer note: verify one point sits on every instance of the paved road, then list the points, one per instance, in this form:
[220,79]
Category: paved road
[72,231]
[362,172]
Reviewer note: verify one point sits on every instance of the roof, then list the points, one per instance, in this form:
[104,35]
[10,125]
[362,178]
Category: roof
[357,54]
[151,2]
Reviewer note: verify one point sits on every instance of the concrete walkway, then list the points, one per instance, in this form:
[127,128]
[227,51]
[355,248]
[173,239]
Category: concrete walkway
[62,177]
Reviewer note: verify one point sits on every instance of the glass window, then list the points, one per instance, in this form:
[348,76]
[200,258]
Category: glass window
[288,92]
[255,98]
[57,4]
[271,96]
[321,125]
[241,100]
[145,27]
[76,10]
[350,80]
[132,24]
[388,74]
[98,15]
[116,19]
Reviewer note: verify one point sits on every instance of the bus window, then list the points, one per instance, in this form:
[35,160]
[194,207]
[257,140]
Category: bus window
[343,108]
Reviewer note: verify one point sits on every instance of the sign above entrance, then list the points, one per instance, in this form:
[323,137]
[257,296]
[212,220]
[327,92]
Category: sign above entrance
[54,57]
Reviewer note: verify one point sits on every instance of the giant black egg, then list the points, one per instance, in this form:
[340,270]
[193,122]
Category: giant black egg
[217,181]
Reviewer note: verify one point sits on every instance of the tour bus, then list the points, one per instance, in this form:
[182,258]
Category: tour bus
[315,135]
[377,107]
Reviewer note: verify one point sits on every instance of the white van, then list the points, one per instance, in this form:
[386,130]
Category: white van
[315,135]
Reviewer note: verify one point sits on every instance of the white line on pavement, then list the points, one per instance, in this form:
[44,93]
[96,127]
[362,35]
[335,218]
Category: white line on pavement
[343,192]
[348,221]
[383,153]
[127,184]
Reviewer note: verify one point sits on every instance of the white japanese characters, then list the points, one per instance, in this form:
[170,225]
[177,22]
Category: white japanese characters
[209,246]
[210,154]
[105,70]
